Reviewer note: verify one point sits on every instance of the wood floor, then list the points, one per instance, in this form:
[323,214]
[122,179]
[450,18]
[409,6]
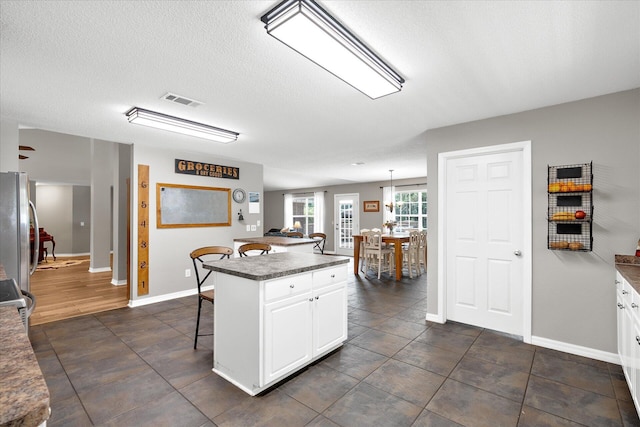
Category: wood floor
[73,291]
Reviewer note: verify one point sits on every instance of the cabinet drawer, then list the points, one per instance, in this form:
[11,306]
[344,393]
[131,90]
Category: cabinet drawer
[329,276]
[287,287]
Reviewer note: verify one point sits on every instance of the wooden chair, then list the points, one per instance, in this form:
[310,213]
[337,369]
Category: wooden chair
[320,239]
[376,256]
[198,257]
[361,260]
[295,234]
[247,247]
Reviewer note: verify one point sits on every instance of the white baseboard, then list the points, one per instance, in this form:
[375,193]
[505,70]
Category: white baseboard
[166,297]
[99,270]
[578,350]
[435,318]
[118,282]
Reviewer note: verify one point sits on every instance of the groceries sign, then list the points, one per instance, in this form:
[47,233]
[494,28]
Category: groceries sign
[206,169]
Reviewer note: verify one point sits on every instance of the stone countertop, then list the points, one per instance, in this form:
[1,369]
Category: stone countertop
[271,266]
[24,396]
[629,267]
[276,240]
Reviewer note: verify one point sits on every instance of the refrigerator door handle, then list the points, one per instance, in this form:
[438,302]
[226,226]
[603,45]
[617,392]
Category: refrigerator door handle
[36,238]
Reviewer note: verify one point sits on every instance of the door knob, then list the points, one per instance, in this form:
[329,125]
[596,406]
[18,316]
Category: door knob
[517,253]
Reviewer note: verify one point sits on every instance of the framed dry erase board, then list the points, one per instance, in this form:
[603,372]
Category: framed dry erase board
[192,206]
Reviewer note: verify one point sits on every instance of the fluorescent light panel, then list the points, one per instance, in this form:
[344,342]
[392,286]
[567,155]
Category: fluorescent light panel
[143,117]
[308,29]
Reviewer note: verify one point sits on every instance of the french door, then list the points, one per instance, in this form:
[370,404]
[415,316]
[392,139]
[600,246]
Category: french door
[346,221]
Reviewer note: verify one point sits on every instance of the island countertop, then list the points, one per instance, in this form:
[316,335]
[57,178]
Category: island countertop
[629,268]
[266,267]
[276,240]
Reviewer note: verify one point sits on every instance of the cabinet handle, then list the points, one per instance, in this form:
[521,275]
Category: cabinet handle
[638,339]
[620,306]
[333,276]
[311,299]
[317,297]
[624,292]
[618,282]
[634,305]
[292,286]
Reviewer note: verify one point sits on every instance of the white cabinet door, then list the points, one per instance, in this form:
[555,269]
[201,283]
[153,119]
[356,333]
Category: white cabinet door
[329,317]
[635,364]
[620,318]
[287,336]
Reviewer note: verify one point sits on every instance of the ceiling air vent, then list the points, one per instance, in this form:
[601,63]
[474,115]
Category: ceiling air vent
[172,97]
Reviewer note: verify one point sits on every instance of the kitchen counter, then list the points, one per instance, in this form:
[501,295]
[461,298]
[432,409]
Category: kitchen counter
[271,266]
[629,267]
[24,396]
[276,240]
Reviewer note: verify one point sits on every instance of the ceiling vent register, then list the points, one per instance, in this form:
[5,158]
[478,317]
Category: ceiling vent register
[183,100]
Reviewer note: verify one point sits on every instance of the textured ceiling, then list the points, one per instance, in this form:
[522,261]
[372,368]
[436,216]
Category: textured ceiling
[77,67]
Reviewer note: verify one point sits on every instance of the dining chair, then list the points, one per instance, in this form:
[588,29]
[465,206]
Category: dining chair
[361,260]
[295,234]
[198,257]
[411,254]
[248,247]
[376,256]
[320,239]
[422,252]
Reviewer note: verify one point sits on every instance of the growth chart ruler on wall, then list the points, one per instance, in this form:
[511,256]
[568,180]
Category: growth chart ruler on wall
[143,230]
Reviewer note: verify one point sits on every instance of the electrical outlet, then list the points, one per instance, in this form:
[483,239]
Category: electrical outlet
[253,227]
[187,272]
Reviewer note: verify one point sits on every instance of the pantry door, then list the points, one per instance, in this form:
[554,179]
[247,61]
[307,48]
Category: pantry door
[487,252]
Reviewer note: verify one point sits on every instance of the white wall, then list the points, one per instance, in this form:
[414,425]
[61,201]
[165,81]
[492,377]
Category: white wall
[573,292]
[169,248]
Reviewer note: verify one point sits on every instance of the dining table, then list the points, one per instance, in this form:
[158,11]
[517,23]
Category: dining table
[396,239]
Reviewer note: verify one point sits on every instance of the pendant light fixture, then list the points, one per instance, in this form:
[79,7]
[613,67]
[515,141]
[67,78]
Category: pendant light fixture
[309,30]
[389,205]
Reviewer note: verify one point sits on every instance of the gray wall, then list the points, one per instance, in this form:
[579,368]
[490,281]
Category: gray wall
[573,293]
[61,208]
[274,204]
[169,248]
[81,219]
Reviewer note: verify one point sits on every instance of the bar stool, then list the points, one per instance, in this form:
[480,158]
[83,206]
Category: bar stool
[197,256]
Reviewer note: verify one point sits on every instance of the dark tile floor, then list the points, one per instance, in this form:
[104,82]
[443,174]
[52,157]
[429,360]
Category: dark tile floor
[137,367]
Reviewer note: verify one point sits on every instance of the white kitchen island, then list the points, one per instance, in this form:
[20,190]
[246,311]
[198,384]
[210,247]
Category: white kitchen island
[274,314]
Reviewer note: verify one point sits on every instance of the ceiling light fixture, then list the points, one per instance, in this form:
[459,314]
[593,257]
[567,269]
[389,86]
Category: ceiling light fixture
[392,191]
[143,117]
[309,30]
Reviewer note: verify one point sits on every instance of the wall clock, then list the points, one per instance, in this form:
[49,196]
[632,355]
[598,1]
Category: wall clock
[239,195]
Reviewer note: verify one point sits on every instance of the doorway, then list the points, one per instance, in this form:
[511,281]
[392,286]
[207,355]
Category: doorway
[484,272]
[346,221]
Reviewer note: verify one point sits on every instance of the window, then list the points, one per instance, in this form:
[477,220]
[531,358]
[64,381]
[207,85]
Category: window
[411,210]
[308,208]
[303,211]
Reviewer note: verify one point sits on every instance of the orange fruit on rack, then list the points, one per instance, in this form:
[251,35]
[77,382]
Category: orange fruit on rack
[586,187]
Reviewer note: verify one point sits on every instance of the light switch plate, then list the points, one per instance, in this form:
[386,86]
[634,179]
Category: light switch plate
[248,227]
[258,223]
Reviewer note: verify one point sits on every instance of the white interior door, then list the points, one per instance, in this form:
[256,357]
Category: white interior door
[346,221]
[485,271]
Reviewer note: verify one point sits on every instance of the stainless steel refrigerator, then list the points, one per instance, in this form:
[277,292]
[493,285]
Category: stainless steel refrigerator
[17,216]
